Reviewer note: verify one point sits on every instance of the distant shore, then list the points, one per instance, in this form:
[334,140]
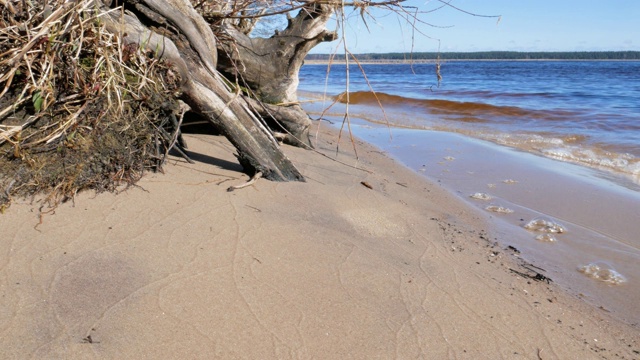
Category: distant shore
[431,61]
[432,57]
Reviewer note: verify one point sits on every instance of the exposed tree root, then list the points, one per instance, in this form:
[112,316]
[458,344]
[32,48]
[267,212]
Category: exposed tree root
[251,181]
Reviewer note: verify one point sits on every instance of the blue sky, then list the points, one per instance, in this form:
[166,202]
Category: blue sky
[525,25]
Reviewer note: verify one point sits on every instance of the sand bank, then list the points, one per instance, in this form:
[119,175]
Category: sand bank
[332,269]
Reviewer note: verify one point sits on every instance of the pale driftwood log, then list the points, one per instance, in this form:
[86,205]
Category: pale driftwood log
[270,66]
[189,44]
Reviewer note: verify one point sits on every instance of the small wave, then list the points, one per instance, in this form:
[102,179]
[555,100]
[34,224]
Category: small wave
[569,148]
[461,111]
[625,163]
[491,94]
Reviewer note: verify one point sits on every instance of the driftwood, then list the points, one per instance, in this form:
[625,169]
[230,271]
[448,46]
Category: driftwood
[173,30]
[290,122]
[270,66]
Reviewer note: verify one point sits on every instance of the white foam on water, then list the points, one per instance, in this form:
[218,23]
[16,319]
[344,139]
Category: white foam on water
[546,238]
[545,225]
[499,209]
[572,149]
[480,196]
[604,160]
[603,272]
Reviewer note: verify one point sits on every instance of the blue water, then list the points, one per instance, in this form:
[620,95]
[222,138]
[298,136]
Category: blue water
[586,113]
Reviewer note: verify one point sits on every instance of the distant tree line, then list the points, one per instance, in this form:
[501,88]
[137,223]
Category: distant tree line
[489,55]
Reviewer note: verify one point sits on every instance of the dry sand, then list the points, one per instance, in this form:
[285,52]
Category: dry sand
[179,268]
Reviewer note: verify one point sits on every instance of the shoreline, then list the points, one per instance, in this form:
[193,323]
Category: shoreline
[616,164]
[597,213]
[178,267]
[599,217]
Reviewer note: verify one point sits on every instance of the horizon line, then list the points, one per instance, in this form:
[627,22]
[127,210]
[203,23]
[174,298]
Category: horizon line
[490,51]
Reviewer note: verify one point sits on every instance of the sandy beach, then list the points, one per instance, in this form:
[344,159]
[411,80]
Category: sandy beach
[368,263]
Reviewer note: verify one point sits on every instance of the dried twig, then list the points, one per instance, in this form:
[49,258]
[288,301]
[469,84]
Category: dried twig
[251,181]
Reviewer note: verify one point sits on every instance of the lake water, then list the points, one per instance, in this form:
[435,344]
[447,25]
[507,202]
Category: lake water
[550,151]
[581,112]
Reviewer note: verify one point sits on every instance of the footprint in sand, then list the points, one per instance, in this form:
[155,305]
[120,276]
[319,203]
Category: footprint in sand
[372,221]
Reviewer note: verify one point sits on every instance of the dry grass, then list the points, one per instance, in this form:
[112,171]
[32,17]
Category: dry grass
[78,108]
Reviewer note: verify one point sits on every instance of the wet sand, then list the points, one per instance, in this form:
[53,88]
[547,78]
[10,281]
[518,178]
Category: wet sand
[180,268]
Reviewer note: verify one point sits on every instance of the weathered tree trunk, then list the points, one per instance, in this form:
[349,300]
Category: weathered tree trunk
[290,121]
[174,30]
[270,66]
